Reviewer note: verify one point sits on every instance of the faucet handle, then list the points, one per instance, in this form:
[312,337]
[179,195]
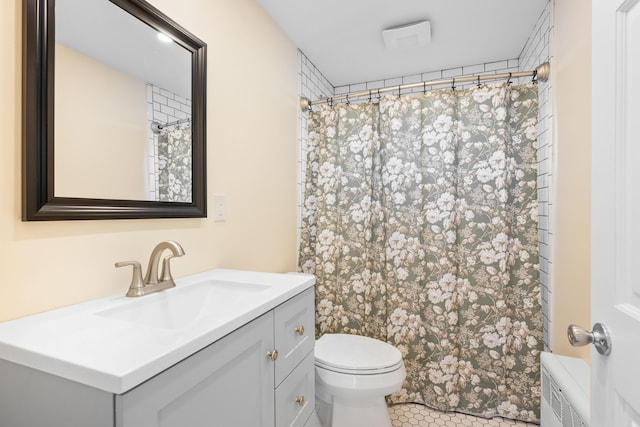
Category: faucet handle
[136,288]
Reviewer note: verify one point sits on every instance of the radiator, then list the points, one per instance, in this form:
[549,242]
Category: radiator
[565,391]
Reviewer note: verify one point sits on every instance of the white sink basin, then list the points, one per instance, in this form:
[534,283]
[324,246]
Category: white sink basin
[178,307]
[116,343]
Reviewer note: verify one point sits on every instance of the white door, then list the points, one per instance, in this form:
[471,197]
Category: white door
[615,257]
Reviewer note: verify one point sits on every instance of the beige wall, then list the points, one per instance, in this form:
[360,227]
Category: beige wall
[101,129]
[570,302]
[251,132]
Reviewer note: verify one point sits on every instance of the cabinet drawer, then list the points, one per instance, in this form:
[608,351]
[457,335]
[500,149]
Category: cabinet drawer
[295,397]
[294,324]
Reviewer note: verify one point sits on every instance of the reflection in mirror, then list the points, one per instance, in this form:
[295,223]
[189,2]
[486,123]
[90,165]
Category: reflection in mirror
[113,118]
[123,107]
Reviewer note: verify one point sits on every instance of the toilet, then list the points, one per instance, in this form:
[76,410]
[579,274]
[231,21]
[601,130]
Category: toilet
[353,376]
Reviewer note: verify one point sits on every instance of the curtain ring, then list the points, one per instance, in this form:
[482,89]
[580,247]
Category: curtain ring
[509,79]
[478,82]
[453,84]
[369,96]
[348,102]
[535,74]
[379,97]
[330,102]
[424,88]
[398,91]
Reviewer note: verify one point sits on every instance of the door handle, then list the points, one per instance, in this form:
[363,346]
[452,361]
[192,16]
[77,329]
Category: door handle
[599,337]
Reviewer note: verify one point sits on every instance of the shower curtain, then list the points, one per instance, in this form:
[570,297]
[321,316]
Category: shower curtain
[420,224]
[174,164]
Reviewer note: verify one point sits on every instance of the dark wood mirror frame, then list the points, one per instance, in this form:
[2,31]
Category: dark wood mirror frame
[38,198]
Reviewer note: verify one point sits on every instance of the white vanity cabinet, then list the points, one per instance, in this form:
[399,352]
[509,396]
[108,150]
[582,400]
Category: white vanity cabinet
[235,382]
[229,383]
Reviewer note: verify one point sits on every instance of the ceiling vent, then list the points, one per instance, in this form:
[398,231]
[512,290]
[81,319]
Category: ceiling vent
[416,34]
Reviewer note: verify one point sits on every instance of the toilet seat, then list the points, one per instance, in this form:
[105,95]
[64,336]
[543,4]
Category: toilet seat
[356,355]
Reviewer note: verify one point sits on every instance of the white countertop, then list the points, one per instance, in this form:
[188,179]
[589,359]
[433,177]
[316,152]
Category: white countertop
[102,343]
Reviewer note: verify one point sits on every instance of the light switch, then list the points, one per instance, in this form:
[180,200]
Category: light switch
[219,207]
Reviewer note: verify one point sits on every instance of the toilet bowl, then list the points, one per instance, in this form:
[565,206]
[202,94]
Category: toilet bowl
[353,376]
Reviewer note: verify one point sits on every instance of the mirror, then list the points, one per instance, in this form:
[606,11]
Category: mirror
[113,116]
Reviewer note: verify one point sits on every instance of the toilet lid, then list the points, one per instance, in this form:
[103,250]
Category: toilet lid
[355,353]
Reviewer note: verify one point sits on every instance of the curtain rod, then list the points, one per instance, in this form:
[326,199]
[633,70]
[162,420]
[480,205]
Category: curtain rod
[540,73]
[156,127]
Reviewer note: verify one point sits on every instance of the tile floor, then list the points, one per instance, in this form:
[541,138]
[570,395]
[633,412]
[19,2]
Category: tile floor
[411,414]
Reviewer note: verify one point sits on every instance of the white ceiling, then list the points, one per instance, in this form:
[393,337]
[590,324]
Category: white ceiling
[103,31]
[343,38]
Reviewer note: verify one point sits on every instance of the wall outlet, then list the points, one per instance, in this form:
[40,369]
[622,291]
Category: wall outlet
[219,207]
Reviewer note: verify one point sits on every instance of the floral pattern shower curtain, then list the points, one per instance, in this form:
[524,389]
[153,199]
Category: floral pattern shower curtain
[420,224]
[174,164]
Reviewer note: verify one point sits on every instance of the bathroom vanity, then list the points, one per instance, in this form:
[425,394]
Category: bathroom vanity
[225,348]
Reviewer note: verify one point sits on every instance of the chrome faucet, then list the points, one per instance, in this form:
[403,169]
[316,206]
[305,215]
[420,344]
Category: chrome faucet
[152,282]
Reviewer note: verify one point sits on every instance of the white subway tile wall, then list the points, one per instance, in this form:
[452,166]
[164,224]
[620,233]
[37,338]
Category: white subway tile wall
[536,51]
[162,107]
[314,85]
[151,171]
[468,70]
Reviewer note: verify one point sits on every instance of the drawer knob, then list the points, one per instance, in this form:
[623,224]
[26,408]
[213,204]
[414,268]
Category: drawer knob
[300,330]
[300,400]
[273,355]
